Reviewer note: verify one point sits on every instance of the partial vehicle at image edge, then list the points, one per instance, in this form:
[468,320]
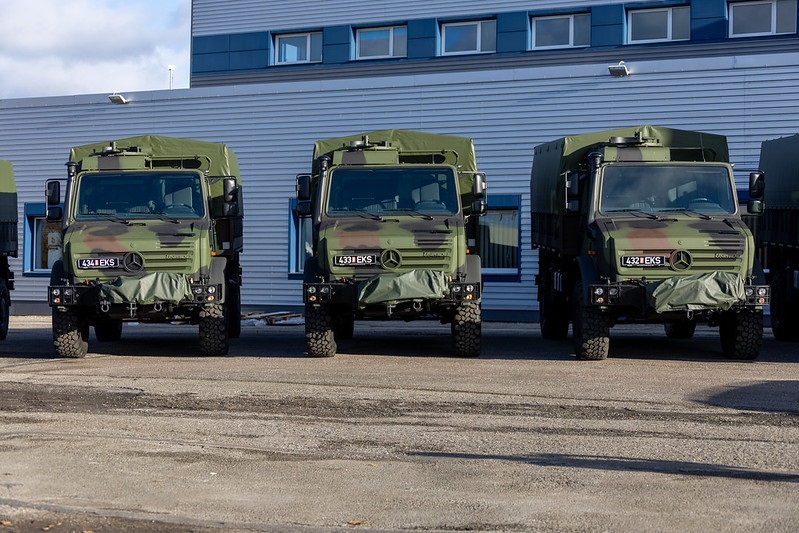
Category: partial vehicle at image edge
[152,231]
[9,219]
[393,217]
[642,225]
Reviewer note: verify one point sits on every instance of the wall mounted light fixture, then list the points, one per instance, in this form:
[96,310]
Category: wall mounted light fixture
[118,99]
[619,71]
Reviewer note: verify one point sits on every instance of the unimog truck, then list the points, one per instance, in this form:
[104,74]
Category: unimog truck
[394,224]
[778,233]
[152,232]
[8,241]
[642,225]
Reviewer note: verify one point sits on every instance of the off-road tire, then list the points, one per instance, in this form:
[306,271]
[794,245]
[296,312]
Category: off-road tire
[741,333]
[590,329]
[553,315]
[108,330]
[5,309]
[320,339]
[682,329]
[784,318]
[213,331]
[467,330]
[70,334]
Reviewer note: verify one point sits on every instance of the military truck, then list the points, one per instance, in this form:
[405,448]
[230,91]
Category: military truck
[778,233]
[642,225]
[152,232]
[394,224]
[8,241]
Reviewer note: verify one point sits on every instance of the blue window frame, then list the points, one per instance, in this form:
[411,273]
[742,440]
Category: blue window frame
[42,242]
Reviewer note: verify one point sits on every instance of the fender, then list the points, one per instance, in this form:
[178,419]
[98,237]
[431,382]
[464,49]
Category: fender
[218,265]
[474,273]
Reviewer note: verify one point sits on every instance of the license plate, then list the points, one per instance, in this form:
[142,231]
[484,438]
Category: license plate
[644,260]
[355,260]
[98,263]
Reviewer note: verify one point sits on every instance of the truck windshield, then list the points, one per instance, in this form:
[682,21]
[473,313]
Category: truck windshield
[705,189]
[428,191]
[139,195]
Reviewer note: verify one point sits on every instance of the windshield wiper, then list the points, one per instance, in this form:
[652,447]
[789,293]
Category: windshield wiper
[414,212]
[166,218]
[371,216]
[634,211]
[118,219]
[703,216]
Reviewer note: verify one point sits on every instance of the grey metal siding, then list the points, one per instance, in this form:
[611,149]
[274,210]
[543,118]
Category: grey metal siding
[749,98]
[211,17]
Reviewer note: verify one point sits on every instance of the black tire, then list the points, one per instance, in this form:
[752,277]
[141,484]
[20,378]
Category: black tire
[107,329]
[784,319]
[682,329]
[213,331]
[741,333]
[590,329]
[467,330]
[234,310]
[5,309]
[553,315]
[320,339]
[70,334]
[343,324]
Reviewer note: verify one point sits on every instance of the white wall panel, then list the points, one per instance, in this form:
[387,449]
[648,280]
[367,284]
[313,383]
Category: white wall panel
[211,17]
[272,127]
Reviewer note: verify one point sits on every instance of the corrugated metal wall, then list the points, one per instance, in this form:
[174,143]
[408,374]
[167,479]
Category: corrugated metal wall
[507,112]
[210,17]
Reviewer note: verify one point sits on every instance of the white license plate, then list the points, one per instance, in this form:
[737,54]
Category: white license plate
[98,263]
[644,260]
[355,260]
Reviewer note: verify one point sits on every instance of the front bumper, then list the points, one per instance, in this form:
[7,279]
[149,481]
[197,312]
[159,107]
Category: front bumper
[347,293]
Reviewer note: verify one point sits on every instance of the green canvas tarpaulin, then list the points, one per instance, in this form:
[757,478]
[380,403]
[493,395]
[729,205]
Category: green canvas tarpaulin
[700,291]
[148,289]
[395,287]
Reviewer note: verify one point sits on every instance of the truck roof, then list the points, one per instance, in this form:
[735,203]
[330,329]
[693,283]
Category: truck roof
[223,162]
[407,141]
[570,151]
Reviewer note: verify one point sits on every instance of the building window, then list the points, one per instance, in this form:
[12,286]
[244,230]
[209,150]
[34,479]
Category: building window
[499,238]
[42,245]
[657,25]
[298,48]
[561,31]
[469,37]
[375,43]
[300,240]
[775,17]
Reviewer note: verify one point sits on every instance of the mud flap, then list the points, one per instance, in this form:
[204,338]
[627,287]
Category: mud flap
[713,290]
[394,287]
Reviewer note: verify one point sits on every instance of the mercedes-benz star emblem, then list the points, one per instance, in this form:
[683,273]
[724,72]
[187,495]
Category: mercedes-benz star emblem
[390,259]
[681,260]
[133,262]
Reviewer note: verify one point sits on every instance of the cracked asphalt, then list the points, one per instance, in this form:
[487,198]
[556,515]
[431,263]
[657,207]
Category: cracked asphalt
[392,434]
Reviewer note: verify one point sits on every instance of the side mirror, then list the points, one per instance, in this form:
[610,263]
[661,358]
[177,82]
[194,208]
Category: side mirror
[755,207]
[303,187]
[53,192]
[303,209]
[572,186]
[478,207]
[54,213]
[479,187]
[757,185]
[230,189]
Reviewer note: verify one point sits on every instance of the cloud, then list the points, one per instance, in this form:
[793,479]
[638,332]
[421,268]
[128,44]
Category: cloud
[53,47]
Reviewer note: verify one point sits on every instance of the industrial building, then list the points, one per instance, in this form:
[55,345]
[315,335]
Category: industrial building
[270,78]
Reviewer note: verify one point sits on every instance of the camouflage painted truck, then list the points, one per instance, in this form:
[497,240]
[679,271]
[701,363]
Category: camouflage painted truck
[778,233]
[642,225]
[8,241]
[394,218]
[152,232]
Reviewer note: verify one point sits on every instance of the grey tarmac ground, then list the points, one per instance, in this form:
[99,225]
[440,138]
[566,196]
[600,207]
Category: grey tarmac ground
[392,434]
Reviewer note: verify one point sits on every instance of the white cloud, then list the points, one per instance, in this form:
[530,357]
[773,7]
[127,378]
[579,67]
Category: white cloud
[57,47]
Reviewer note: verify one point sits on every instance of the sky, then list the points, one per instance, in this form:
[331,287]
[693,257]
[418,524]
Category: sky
[68,47]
